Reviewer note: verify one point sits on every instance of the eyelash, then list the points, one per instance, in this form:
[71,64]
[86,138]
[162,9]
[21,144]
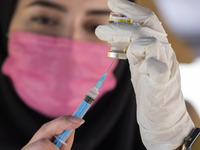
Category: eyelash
[44,20]
[49,21]
[91,28]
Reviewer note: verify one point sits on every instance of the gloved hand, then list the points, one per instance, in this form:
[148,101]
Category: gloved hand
[161,112]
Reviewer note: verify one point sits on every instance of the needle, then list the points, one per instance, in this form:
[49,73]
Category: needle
[110,65]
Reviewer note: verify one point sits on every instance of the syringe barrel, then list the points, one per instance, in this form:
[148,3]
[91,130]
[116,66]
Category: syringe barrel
[80,112]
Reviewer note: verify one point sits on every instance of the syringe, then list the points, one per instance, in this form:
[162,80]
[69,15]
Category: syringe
[82,109]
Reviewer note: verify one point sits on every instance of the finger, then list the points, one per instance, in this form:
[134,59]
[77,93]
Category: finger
[56,127]
[151,58]
[123,32]
[136,52]
[147,47]
[119,32]
[69,142]
[157,70]
[139,14]
[42,144]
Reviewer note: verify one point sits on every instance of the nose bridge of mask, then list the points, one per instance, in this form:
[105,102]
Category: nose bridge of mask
[54,53]
[94,53]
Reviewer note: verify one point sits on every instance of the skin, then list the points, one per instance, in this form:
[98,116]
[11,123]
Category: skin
[42,140]
[59,18]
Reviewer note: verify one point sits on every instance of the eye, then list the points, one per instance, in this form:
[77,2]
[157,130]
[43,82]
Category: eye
[91,28]
[44,20]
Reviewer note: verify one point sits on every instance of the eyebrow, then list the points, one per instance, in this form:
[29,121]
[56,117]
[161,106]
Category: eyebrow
[48,4]
[98,12]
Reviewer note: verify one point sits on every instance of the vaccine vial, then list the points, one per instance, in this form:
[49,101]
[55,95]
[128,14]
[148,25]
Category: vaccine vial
[118,50]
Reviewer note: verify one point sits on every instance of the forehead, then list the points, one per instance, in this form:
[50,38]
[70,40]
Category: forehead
[75,5]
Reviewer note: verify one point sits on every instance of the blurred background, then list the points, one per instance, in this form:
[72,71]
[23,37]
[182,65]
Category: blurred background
[182,17]
[181,21]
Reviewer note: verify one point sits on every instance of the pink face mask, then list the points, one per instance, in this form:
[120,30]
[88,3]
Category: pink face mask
[52,75]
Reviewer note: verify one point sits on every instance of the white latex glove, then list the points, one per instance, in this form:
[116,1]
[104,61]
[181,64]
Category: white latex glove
[161,112]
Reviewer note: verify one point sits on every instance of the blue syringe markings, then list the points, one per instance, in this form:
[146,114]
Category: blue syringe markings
[82,109]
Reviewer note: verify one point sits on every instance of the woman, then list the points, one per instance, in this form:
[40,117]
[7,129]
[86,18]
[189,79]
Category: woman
[56,26]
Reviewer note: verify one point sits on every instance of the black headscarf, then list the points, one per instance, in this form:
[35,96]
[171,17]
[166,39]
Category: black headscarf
[110,124]
[7,9]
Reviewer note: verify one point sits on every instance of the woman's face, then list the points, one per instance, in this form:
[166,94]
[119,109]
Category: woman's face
[76,19]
